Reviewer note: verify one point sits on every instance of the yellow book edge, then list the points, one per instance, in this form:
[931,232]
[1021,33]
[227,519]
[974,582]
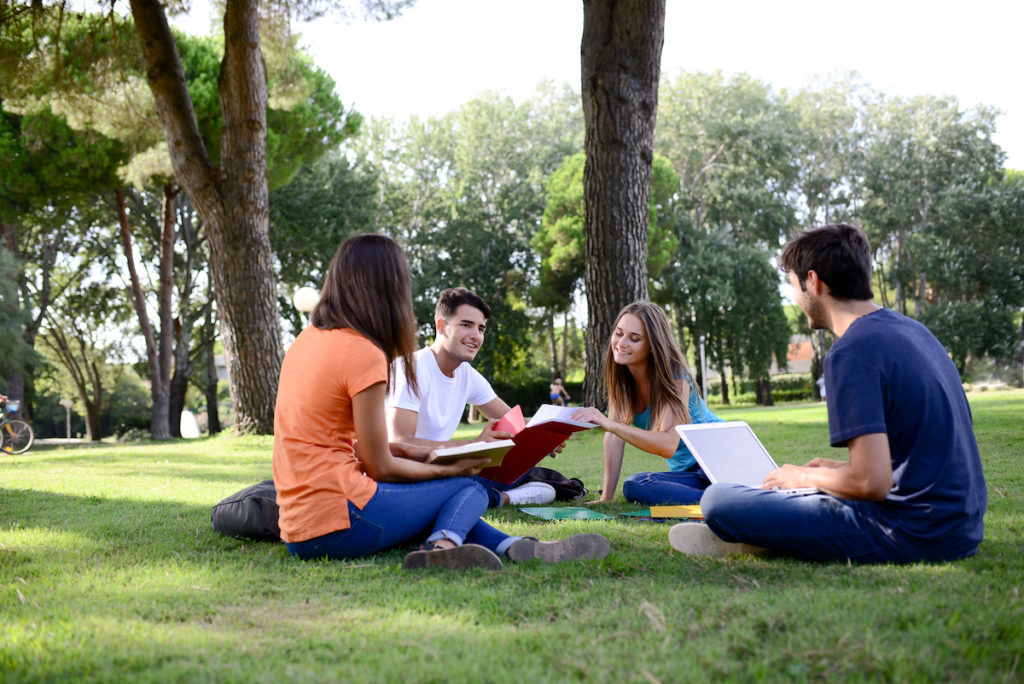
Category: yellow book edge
[690,511]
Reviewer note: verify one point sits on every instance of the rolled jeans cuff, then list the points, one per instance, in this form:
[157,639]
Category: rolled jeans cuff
[457,539]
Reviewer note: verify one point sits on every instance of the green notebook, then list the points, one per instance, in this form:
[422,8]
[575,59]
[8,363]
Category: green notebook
[566,513]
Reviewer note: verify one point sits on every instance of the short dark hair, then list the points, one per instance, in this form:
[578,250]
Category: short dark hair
[452,298]
[839,253]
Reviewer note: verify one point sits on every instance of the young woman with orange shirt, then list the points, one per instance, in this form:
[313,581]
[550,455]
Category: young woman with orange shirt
[343,490]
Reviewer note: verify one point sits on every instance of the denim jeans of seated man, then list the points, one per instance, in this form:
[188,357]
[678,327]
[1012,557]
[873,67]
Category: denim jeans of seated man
[809,526]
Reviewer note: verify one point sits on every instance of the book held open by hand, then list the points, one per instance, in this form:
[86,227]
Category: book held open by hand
[494,450]
[548,429]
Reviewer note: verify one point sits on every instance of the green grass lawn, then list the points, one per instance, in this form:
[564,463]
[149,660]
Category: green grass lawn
[109,571]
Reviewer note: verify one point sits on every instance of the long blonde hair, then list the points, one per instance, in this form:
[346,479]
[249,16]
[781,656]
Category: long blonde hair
[666,367]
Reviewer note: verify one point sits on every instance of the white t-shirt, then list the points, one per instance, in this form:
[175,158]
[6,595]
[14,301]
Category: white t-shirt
[442,399]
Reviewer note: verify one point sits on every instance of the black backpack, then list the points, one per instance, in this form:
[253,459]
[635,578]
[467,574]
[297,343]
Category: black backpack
[566,488]
[250,513]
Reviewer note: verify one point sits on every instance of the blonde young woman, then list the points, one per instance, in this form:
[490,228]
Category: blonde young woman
[650,391]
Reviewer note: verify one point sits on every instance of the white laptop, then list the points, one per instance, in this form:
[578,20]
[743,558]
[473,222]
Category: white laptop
[730,452]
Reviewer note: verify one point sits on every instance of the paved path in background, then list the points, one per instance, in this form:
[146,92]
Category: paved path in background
[60,441]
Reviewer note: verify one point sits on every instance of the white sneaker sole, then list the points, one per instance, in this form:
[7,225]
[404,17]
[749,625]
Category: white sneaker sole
[697,539]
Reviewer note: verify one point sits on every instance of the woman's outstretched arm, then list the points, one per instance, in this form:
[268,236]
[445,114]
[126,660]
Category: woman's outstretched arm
[663,442]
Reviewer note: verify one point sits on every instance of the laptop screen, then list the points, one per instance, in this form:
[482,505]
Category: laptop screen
[728,452]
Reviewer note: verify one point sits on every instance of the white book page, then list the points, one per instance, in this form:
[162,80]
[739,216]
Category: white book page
[474,447]
[549,412]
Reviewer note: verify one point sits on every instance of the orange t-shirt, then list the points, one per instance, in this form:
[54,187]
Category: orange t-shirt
[316,472]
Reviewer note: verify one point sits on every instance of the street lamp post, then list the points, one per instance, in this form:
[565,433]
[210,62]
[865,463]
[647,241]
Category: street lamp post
[67,403]
[304,299]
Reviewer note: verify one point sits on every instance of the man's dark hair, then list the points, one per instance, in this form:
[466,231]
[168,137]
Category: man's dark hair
[838,253]
[452,298]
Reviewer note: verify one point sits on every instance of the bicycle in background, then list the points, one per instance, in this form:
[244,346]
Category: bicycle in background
[16,433]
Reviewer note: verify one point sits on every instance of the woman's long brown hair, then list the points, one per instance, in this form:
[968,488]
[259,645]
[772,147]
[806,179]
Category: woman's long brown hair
[368,289]
[666,367]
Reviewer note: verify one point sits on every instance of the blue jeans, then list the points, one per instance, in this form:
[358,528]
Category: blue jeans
[400,512]
[494,489]
[810,526]
[673,487]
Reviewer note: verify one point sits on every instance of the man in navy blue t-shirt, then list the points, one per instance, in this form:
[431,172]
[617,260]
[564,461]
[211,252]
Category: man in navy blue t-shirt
[913,487]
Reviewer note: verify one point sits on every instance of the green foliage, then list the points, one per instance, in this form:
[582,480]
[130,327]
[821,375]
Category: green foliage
[946,222]
[828,149]
[308,126]
[560,240]
[463,193]
[16,354]
[327,201]
[786,387]
[729,291]
[110,571]
[48,163]
[732,143]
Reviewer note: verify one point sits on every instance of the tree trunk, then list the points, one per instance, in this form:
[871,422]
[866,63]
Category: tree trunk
[566,332]
[165,302]
[901,305]
[550,321]
[185,357]
[210,386]
[84,373]
[621,64]
[723,383]
[763,392]
[158,428]
[231,199]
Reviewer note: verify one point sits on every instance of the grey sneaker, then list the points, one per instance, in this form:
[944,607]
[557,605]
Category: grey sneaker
[531,493]
[697,539]
[457,558]
[576,547]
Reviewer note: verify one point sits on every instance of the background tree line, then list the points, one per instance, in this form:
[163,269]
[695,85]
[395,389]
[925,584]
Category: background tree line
[489,196]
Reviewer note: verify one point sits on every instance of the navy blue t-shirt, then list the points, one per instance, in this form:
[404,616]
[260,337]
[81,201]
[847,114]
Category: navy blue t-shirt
[889,374]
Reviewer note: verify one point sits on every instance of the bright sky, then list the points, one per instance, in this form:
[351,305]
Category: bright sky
[441,53]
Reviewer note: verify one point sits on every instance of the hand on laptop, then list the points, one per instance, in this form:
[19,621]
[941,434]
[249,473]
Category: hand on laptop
[824,463]
[788,476]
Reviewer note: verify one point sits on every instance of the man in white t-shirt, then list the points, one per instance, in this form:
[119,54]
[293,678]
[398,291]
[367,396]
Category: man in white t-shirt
[447,382]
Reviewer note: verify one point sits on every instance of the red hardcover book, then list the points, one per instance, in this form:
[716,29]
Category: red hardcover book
[548,429]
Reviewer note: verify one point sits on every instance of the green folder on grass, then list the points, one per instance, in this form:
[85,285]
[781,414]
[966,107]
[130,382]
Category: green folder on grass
[566,513]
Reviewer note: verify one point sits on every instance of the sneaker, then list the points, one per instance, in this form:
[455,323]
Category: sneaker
[531,493]
[697,539]
[576,547]
[456,558]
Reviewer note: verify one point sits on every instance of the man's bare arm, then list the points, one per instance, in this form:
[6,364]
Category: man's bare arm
[402,428]
[866,477]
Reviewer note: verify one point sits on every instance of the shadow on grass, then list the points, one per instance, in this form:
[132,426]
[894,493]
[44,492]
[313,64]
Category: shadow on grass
[151,531]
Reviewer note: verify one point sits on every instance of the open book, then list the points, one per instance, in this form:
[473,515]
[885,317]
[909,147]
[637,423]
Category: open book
[548,429]
[494,450]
